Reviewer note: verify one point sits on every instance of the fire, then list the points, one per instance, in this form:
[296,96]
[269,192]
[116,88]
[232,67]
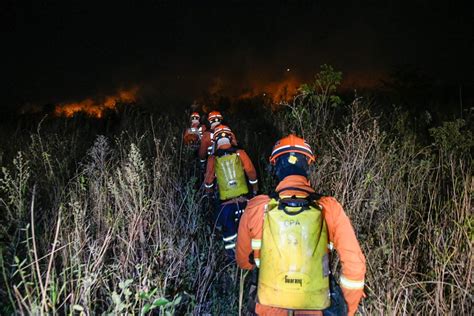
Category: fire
[95,107]
[272,92]
[278,91]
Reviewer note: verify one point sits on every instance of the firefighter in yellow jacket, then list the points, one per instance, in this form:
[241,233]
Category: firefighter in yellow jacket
[289,238]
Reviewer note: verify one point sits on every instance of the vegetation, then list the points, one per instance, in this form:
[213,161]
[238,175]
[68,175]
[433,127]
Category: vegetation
[101,221]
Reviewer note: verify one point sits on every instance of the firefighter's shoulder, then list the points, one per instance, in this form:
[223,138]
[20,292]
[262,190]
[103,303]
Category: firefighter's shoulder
[257,202]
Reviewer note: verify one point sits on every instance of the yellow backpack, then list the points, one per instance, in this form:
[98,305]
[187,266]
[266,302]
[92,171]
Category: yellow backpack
[294,261]
[230,174]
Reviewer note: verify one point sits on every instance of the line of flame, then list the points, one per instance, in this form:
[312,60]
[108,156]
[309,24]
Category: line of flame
[96,107]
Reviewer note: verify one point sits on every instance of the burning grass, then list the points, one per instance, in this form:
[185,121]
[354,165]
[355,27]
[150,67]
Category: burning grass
[98,106]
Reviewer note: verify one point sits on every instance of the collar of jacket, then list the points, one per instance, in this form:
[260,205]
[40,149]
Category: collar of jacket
[300,182]
[225,147]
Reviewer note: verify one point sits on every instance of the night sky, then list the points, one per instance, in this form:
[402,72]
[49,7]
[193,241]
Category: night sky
[60,51]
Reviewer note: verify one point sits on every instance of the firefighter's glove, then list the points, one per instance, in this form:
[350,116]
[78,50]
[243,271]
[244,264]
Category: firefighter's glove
[210,192]
[251,258]
[255,189]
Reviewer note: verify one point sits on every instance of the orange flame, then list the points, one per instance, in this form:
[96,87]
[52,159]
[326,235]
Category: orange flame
[96,107]
[277,91]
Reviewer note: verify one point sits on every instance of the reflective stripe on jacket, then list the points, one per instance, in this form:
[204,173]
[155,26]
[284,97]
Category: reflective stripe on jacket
[341,235]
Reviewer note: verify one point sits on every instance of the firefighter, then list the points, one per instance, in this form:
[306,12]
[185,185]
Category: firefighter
[214,118]
[193,134]
[289,239]
[231,168]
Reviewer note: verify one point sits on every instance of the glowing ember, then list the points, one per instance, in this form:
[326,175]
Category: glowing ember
[97,107]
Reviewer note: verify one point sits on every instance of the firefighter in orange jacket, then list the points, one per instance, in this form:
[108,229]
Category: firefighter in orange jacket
[231,168]
[193,134]
[205,149]
[286,285]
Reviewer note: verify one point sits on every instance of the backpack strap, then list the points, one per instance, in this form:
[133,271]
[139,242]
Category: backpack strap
[303,204]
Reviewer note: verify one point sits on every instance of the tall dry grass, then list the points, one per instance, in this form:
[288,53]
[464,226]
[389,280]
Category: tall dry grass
[125,232]
[122,226]
[411,205]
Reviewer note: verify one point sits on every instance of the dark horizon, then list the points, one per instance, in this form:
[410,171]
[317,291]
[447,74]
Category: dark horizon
[59,52]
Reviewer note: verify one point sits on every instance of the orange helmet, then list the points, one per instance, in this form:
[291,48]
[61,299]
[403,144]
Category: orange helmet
[291,144]
[195,116]
[222,131]
[214,116]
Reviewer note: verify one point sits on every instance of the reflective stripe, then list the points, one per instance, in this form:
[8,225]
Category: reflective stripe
[229,238]
[257,262]
[351,284]
[230,246]
[219,130]
[331,246]
[279,148]
[203,160]
[256,244]
[253,181]
[289,148]
[208,186]
[305,148]
[210,151]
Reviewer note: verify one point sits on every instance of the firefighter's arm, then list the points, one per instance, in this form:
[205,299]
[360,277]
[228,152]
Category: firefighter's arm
[249,170]
[205,142]
[342,235]
[210,174]
[189,137]
[243,246]
[186,136]
[250,231]
[234,140]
